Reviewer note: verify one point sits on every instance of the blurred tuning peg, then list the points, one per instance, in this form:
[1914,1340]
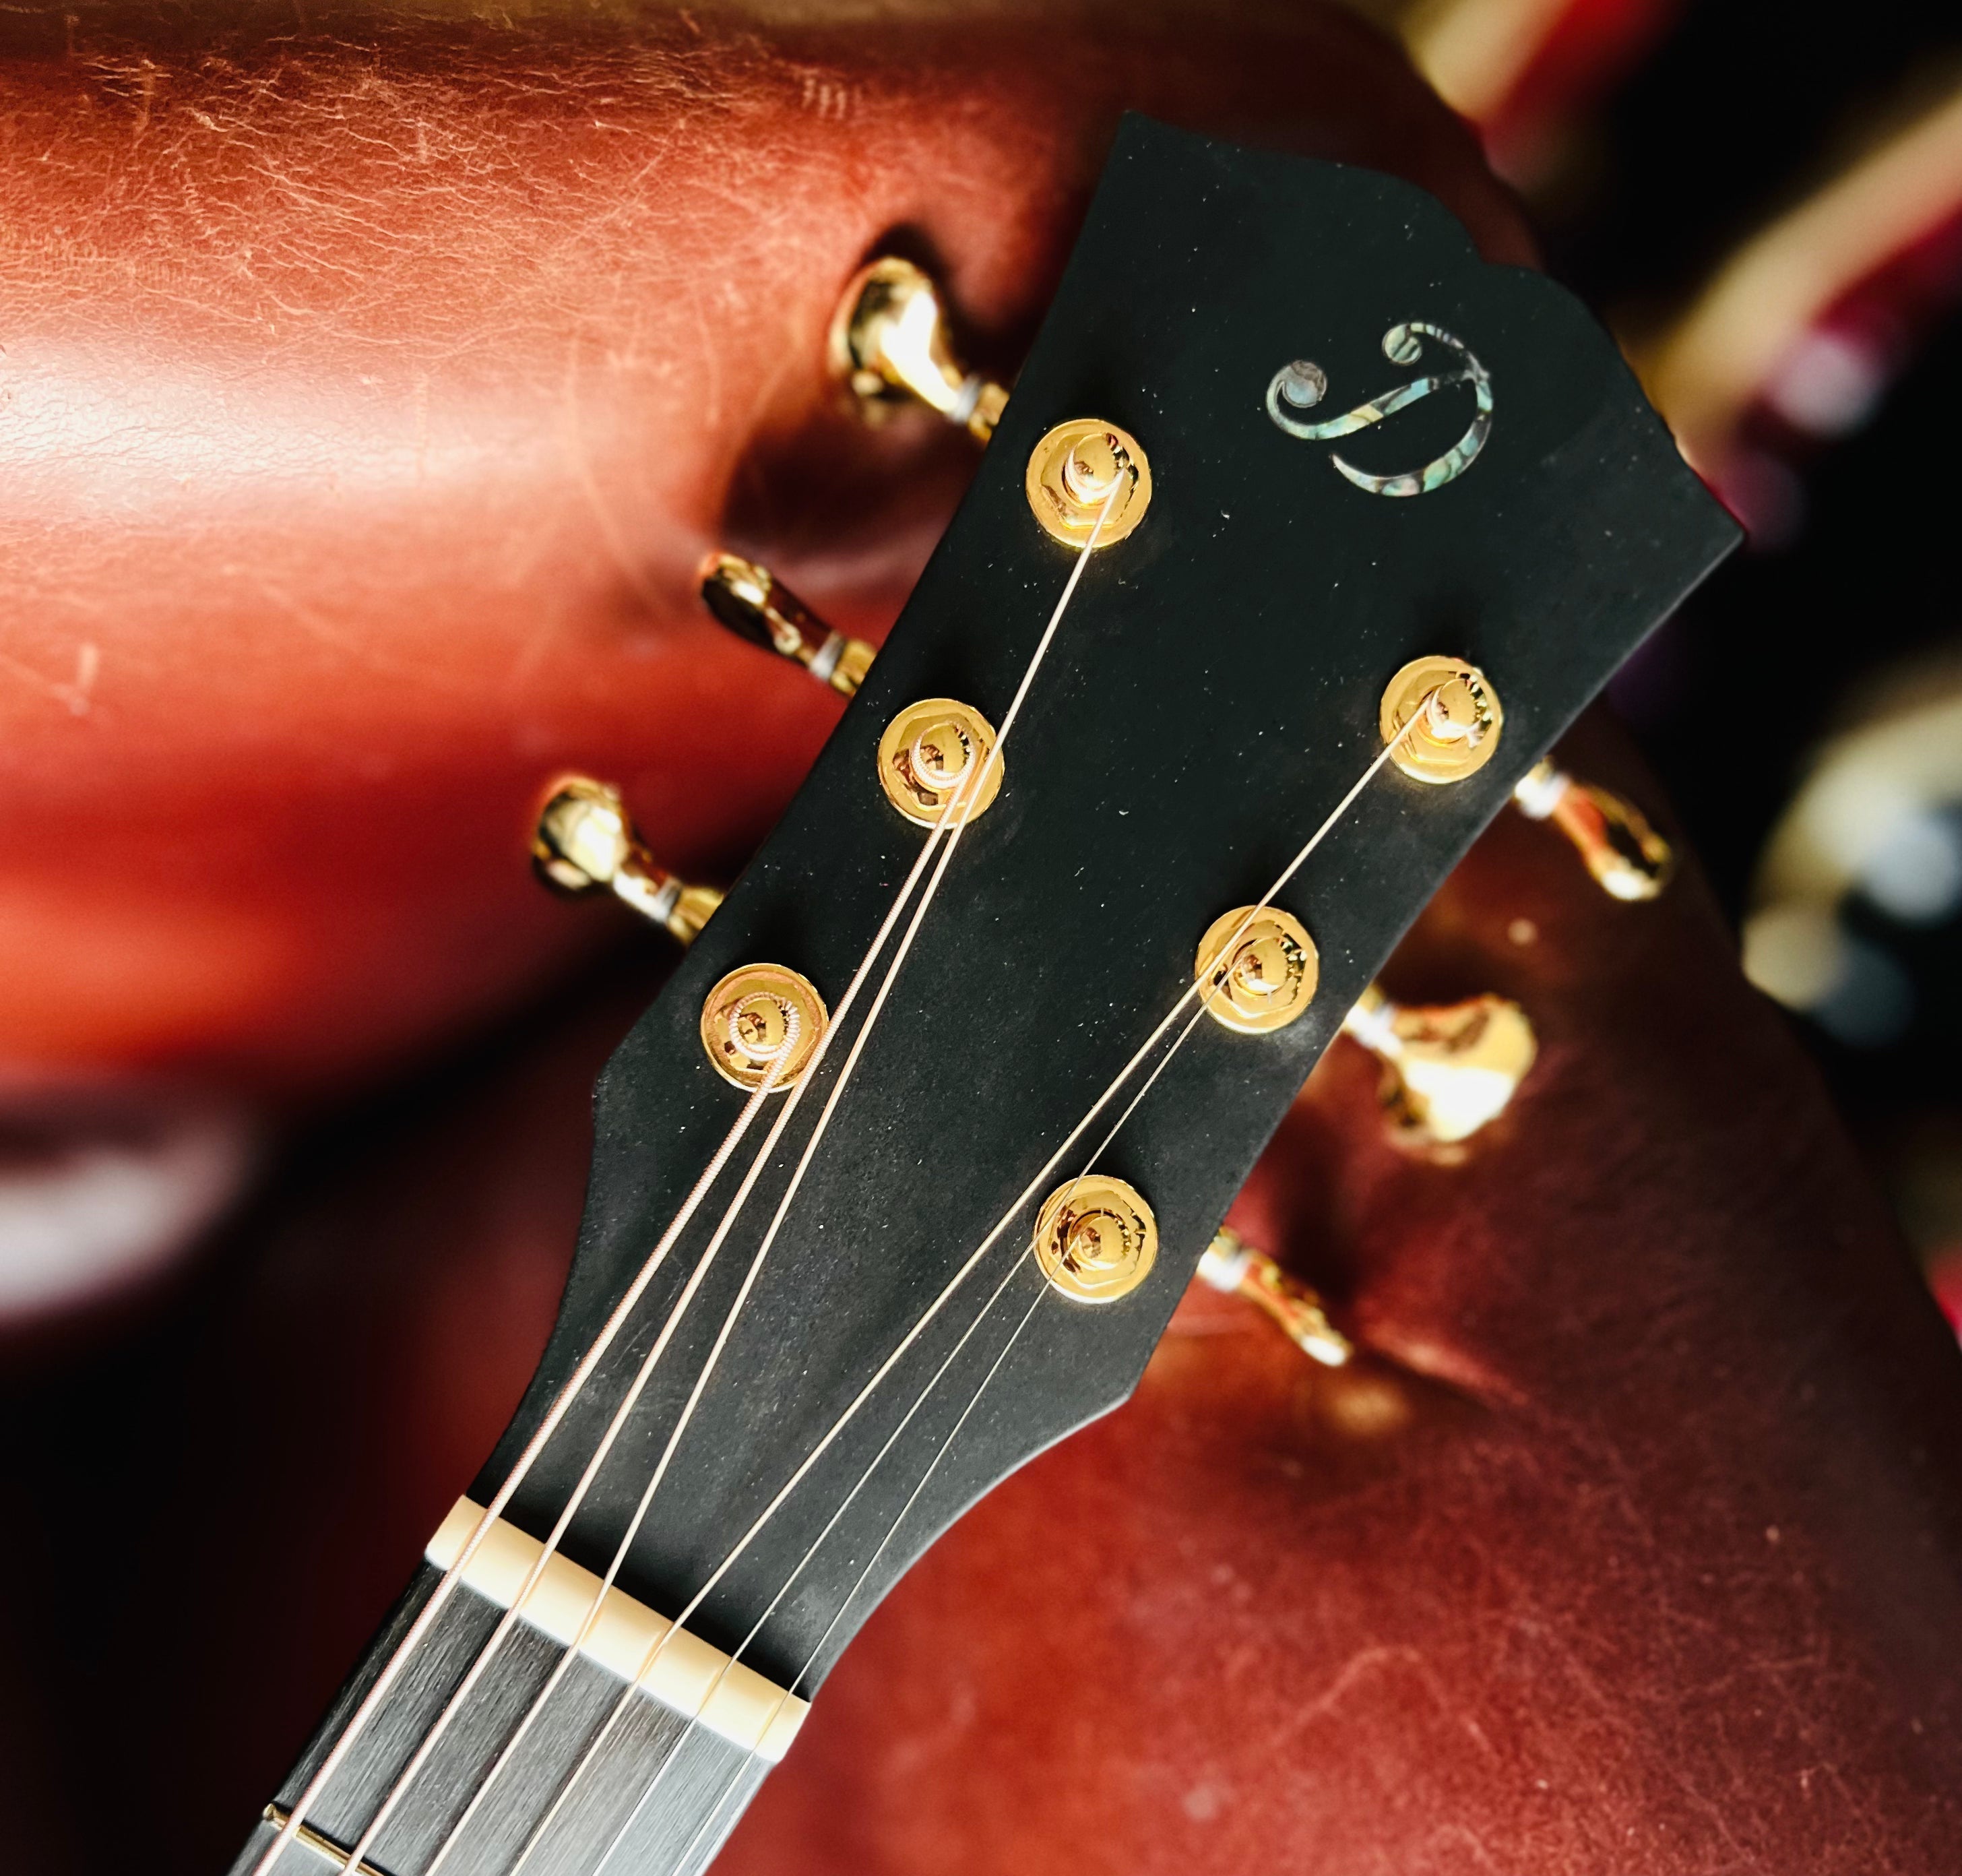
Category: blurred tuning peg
[888,343]
[1621,849]
[1232,1265]
[585,841]
[1448,1068]
[755,604]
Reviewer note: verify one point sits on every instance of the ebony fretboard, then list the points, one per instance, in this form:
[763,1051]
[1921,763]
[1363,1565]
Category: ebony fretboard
[682,1787]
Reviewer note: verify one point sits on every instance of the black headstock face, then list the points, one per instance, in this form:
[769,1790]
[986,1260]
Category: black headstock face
[1212,693]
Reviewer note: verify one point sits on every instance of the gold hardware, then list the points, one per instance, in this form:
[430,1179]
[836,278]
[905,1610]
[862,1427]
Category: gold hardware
[1461,719]
[1072,472]
[1270,977]
[888,343]
[1232,1265]
[759,1016]
[928,750]
[755,604]
[1448,1068]
[1625,855]
[585,841]
[1096,1239]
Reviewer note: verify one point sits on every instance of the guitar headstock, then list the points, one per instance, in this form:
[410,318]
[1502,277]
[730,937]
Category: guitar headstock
[1361,448]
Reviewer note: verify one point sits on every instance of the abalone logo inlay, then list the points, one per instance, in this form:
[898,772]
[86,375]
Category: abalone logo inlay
[1301,385]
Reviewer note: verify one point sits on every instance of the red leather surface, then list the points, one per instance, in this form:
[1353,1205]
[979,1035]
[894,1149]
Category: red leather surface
[1631,1545]
[372,390]
[373,386]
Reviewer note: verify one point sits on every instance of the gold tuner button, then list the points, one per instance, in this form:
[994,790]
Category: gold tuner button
[888,345]
[1096,1239]
[1457,720]
[1086,472]
[1448,1068]
[1625,855]
[934,750]
[762,1023]
[755,604]
[584,841]
[1258,968]
[1233,1266]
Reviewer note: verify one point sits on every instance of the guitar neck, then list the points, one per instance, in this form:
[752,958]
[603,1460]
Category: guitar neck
[614,1775]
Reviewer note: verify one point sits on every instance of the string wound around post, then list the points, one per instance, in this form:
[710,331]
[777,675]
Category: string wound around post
[1087,479]
[1442,719]
[762,1023]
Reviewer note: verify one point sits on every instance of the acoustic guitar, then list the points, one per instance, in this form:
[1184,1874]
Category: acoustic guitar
[376,381]
[1230,652]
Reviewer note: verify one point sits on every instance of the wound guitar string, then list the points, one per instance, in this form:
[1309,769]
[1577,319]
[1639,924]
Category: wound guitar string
[952,820]
[963,800]
[850,1595]
[570,1653]
[580,1376]
[426,1618]
[1198,990]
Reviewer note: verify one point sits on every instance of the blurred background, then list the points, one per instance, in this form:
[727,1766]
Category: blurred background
[1767,205]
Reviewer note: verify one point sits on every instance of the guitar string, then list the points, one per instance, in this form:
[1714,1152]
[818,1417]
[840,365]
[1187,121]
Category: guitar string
[1200,989]
[508,1620]
[964,801]
[864,1478]
[576,1382]
[426,1618]
[786,1695]
[892,1440]
[596,1605]
[1028,1192]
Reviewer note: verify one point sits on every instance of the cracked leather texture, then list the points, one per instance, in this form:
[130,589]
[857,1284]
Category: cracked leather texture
[372,385]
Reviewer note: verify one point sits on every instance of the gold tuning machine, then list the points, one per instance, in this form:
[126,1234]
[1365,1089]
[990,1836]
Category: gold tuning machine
[585,841]
[1232,1265]
[755,604]
[1624,854]
[1448,1068]
[888,344]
